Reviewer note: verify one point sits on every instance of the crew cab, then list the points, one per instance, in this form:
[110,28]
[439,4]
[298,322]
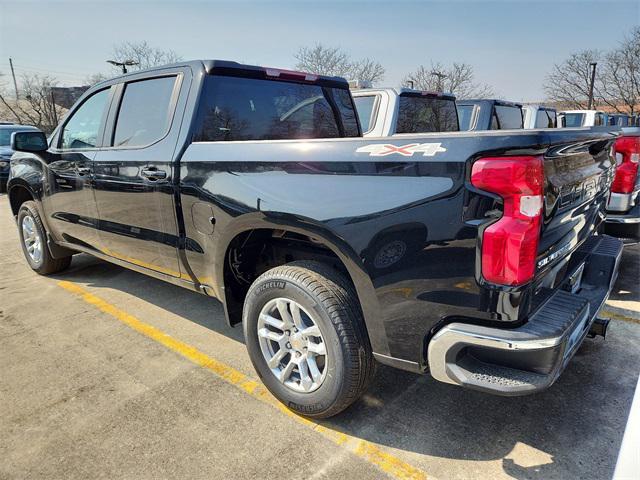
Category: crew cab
[488,114]
[623,209]
[582,118]
[387,111]
[539,116]
[254,186]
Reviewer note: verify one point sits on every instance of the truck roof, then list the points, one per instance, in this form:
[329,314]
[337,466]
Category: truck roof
[402,90]
[581,111]
[539,107]
[230,68]
[492,101]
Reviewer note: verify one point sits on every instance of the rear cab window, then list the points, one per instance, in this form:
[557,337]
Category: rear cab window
[506,117]
[573,119]
[366,106]
[236,108]
[424,113]
[545,119]
[465,116]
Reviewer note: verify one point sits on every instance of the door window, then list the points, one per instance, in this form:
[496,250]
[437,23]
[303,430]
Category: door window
[82,129]
[145,112]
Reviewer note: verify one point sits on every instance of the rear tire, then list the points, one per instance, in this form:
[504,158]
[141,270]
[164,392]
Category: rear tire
[318,297]
[33,239]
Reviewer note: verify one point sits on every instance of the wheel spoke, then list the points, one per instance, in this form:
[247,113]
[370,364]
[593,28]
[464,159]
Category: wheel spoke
[274,322]
[277,358]
[266,333]
[313,369]
[312,331]
[285,373]
[284,312]
[317,348]
[305,379]
[297,319]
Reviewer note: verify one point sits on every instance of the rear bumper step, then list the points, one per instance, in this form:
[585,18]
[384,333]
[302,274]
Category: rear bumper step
[529,358]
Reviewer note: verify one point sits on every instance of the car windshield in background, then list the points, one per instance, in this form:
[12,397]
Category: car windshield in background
[465,113]
[236,108]
[507,117]
[5,136]
[423,114]
[573,119]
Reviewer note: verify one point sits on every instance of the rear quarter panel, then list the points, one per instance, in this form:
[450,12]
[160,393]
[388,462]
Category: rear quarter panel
[355,203]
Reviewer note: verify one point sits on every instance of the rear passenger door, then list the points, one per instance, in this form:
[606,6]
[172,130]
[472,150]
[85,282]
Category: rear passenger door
[134,172]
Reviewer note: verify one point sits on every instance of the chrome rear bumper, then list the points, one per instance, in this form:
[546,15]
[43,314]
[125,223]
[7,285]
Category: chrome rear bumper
[531,357]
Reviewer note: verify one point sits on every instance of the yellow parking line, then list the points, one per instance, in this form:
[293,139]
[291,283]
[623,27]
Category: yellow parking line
[387,462]
[606,313]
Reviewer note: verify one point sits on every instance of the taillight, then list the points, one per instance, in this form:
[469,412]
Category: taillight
[627,150]
[510,245]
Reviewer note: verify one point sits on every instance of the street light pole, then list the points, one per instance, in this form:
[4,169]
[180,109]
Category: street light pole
[593,78]
[440,76]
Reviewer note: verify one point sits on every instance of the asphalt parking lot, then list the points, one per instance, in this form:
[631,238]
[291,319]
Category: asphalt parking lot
[107,373]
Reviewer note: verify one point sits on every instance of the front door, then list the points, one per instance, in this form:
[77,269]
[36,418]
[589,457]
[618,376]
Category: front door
[69,205]
[133,175]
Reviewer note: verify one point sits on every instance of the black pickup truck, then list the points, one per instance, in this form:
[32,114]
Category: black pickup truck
[472,256]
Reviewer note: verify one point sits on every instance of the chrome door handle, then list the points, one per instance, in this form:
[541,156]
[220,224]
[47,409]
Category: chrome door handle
[153,174]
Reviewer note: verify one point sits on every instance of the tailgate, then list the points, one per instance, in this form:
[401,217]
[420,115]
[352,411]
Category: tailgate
[579,168]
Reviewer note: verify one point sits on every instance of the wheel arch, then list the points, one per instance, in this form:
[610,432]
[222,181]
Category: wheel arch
[315,240]
[19,192]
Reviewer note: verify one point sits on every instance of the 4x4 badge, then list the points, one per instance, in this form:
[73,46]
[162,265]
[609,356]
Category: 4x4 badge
[384,149]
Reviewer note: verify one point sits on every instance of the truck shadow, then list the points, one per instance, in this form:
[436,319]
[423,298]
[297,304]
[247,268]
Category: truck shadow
[572,430]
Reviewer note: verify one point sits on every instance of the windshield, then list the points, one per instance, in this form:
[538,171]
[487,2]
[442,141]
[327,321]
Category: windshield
[573,119]
[465,114]
[5,136]
[423,114]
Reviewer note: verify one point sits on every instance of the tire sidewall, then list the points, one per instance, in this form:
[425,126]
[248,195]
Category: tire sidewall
[27,210]
[326,395]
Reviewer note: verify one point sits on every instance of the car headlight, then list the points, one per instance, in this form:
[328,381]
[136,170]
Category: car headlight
[3,164]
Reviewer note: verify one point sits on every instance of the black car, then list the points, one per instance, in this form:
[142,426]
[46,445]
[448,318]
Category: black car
[6,129]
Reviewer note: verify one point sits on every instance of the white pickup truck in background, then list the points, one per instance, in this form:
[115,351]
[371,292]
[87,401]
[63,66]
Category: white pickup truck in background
[388,111]
[539,116]
[582,118]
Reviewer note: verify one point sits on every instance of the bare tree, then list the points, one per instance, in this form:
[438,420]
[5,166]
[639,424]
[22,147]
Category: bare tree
[334,61]
[458,78]
[96,78]
[618,83]
[569,81]
[36,105]
[143,54]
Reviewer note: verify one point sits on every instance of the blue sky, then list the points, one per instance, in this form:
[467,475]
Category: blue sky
[511,44]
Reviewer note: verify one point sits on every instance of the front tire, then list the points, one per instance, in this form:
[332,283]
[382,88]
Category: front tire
[306,338]
[33,239]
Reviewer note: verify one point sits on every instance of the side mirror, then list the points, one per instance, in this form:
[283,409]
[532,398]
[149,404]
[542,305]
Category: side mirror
[29,142]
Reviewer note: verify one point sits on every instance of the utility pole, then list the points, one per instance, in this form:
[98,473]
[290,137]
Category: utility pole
[593,79]
[13,74]
[440,75]
[123,64]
